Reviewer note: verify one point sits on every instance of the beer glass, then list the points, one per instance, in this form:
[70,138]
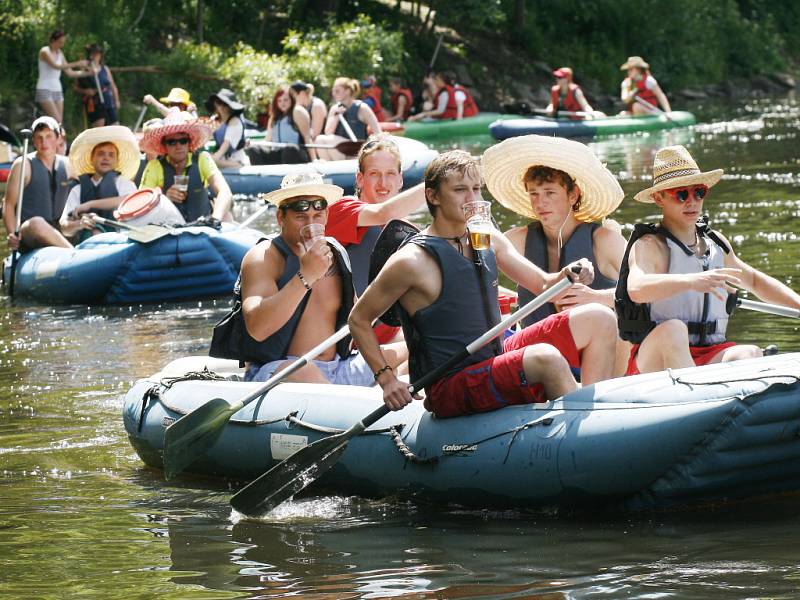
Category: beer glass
[181,183]
[479,223]
[311,233]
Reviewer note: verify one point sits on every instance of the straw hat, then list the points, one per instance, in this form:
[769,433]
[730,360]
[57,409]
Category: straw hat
[175,122]
[674,167]
[177,96]
[295,185]
[505,165]
[634,61]
[80,154]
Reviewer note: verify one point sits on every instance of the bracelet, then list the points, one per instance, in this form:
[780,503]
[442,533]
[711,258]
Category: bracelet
[303,279]
[382,370]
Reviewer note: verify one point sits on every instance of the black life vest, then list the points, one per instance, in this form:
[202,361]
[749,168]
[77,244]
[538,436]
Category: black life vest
[197,203]
[106,188]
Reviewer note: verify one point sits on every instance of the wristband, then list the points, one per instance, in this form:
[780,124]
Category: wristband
[382,370]
[303,279]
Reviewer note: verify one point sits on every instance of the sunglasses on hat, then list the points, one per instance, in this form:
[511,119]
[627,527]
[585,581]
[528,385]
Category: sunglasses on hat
[176,141]
[698,192]
[304,205]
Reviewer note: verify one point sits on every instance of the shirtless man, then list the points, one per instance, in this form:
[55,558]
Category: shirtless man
[296,292]
[447,303]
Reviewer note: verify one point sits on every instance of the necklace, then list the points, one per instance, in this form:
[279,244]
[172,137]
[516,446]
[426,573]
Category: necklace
[457,241]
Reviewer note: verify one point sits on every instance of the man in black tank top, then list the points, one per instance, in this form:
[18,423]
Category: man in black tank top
[447,292]
[47,183]
[676,277]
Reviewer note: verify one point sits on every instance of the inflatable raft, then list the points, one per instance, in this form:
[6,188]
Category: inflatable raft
[443,128]
[591,128]
[658,440]
[265,178]
[187,263]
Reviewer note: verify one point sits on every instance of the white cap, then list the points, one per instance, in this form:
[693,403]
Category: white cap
[45,121]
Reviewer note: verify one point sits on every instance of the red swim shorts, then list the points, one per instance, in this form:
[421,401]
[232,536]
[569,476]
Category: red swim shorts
[702,355]
[500,381]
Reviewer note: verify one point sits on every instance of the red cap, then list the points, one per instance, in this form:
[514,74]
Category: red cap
[563,72]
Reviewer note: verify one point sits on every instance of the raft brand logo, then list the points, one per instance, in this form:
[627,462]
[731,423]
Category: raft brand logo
[282,445]
[167,421]
[459,448]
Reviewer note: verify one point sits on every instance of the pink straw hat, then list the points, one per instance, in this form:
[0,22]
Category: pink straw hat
[176,121]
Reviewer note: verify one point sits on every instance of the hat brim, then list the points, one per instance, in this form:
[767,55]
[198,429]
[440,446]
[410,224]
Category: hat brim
[626,65]
[331,193]
[236,107]
[198,133]
[505,165]
[80,154]
[709,178]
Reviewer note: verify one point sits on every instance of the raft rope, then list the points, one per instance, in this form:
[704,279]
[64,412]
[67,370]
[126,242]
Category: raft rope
[204,375]
[794,380]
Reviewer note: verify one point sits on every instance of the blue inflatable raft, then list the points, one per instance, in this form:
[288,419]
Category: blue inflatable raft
[265,178]
[658,440]
[188,263]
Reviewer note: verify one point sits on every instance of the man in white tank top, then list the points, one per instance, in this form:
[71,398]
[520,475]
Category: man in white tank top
[685,277]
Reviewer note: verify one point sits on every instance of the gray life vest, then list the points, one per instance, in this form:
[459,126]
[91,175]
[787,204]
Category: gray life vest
[465,309]
[359,257]
[351,116]
[106,188]
[579,245]
[197,202]
[46,193]
[285,132]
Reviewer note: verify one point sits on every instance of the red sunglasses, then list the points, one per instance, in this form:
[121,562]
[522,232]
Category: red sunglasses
[698,192]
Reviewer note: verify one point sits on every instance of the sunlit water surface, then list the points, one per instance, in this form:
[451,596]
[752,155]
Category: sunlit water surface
[81,517]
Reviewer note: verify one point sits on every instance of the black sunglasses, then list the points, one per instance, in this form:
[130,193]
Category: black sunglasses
[176,141]
[304,205]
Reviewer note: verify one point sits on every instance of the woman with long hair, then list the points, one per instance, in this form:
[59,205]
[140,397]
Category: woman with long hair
[289,123]
[49,94]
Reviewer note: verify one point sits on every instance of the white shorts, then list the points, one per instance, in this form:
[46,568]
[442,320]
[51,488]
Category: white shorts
[352,370]
[45,95]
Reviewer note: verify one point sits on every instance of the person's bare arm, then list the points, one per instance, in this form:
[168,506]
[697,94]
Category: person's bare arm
[223,198]
[662,98]
[114,89]
[12,198]
[366,115]
[333,118]
[585,106]
[398,207]
[402,103]
[318,116]
[302,121]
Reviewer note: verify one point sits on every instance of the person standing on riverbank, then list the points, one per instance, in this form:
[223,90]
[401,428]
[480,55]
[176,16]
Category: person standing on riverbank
[49,94]
[98,91]
[639,90]
[672,298]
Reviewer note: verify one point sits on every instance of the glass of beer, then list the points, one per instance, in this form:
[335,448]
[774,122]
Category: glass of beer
[479,223]
[181,183]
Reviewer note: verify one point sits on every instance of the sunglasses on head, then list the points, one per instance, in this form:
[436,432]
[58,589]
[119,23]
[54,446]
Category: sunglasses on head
[698,192]
[304,205]
[176,141]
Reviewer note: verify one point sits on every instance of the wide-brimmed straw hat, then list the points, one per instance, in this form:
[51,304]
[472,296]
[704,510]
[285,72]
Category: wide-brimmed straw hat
[80,154]
[674,167]
[228,98]
[177,96]
[176,121]
[296,185]
[505,165]
[634,61]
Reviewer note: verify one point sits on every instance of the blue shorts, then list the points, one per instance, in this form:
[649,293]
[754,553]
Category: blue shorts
[352,370]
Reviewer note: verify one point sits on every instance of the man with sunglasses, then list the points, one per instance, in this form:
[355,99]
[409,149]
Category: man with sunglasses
[178,142]
[296,290]
[676,276]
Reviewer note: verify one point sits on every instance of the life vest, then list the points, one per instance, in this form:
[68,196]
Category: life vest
[360,254]
[705,315]
[579,245]
[451,109]
[406,93]
[284,131]
[106,188]
[374,93]
[569,103]
[219,136]
[92,103]
[642,91]
[231,339]
[47,191]
[197,203]
[351,116]
[466,308]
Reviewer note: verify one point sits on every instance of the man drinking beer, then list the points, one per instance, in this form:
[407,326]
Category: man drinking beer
[447,292]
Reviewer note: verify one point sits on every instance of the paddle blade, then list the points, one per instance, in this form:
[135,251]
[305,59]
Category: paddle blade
[350,148]
[148,233]
[290,476]
[191,436]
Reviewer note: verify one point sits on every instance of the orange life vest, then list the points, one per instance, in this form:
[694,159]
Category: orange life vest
[451,110]
[374,92]
[409,101]
[644,93]
[570,102]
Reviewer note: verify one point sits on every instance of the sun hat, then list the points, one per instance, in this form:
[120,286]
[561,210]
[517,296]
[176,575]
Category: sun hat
[294,185]
[299,86]
[674,167]
[176,121]
[505,164]
[634,61]
[46,121]
[228,98]
[80,154]
[563,72]
[177,96]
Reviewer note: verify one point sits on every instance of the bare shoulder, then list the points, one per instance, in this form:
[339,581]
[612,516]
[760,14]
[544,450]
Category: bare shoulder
[263,258]
[650,253]
[609,233]
[410,261]
[517,236]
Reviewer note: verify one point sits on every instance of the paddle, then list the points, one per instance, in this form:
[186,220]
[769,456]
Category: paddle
[436,52]
[26,135]
[653,109]
[568,113]
[143,234]
[254,216]
[347,127]
[190,437]
[764,307]
[347,147]
[140,119]
[290,476]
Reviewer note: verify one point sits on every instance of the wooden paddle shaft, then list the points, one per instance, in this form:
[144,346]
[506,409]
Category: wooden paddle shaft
[21,189]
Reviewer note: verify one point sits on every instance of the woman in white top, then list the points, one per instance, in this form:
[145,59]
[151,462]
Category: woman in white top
[52,61]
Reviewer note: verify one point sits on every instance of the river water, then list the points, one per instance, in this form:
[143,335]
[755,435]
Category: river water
[81,517]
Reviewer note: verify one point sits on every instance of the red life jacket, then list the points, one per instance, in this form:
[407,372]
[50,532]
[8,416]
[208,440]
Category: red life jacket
[409,101]
[570,102]
[644,93]
[374,92]
[451,110]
